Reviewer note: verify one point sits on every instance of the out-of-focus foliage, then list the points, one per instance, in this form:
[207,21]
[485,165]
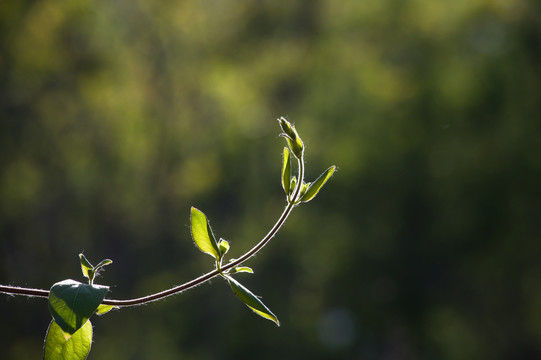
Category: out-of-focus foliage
[117,116]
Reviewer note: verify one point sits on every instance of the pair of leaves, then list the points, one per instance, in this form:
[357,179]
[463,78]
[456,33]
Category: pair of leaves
[90,271]
[204,239]
[71,304]
[309,190]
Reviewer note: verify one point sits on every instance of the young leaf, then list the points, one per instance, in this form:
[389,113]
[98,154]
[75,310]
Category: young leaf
[71,303]
[286,172]
[202,234]
[293,183]
[292,136]
[60,346]
[86,267]
[102,264]
[241,269]
[304,188]
[90,271]
[314,187]
[104,309]
[252,301]
[223,246]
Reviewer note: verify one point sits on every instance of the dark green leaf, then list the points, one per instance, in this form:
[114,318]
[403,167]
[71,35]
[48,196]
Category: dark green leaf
[202,234]
[71,303]
[314,187]
[62,346]
[251,300]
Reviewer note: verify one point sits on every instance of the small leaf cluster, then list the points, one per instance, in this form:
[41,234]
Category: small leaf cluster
[90,271]
[301,192]
[71,304]
[206,242]
[296,190]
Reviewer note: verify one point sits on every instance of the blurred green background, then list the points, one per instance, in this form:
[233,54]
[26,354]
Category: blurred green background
[117,116]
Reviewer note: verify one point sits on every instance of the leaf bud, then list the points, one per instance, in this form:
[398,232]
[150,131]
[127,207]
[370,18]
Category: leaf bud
[293,139]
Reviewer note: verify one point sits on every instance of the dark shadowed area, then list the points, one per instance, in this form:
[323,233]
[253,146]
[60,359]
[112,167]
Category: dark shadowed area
[117,116]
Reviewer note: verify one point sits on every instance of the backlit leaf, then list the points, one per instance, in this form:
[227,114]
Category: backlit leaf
[86,267]
[251,300]
[304,188]
[292,136]
[223,246]
[286,171]
[103,309]
[293,183]
[314,187]
[202,234]
[241,269]
[62,346]
[103,263]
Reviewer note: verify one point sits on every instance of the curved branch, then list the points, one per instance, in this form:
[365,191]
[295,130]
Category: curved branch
[232,264]
[12,290]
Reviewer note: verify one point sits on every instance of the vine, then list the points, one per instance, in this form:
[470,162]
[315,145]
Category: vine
[72,303]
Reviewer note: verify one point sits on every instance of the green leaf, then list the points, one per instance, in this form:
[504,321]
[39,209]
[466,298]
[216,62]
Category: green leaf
[304,188]
[71,303]
[104,309]
[202,234]
[293,183]
[292,136]
[286,171]
[102,264]
[223,246]
[62,346]
[314,187]
[241,269]
[86,267]
[251,300]
[90,271]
